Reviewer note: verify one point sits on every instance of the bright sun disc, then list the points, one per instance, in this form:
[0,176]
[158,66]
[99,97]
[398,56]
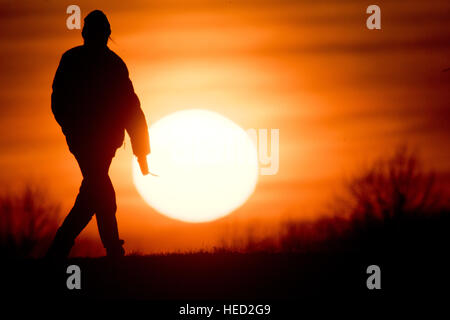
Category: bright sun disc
[207,166]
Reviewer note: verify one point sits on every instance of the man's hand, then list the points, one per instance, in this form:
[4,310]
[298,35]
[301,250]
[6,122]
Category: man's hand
[143,165]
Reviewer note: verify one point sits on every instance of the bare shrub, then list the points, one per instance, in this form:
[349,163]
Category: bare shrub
[393,205]
[28,221]
[393,188]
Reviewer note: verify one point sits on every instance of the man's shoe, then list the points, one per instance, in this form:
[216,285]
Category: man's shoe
[116,251]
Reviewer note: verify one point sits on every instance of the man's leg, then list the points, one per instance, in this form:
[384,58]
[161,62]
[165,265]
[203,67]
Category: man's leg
[77,219]
[84,207]
[106,218]
[96,196]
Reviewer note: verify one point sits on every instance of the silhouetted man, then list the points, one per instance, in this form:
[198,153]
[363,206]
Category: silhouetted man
[94,102]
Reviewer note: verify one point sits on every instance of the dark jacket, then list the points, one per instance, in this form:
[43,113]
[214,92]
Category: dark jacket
[93,101]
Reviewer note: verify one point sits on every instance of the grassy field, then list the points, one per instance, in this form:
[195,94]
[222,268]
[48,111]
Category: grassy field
[394,216]
[230,276]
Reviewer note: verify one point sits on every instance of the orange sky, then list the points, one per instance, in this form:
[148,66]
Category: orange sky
[339,93]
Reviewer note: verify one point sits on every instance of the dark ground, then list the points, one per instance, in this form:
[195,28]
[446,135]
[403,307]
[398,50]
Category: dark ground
[394,216]
[290,279]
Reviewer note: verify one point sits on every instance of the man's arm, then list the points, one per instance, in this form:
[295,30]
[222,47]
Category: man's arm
[138,132]
[135,123]
[136,126]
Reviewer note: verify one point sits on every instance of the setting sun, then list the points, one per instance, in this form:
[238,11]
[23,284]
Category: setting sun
[206,165]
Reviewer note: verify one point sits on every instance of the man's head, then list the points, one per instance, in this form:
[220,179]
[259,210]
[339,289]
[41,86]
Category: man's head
[96,29]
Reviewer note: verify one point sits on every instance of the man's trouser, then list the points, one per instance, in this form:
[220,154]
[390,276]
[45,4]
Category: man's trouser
[96,196]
